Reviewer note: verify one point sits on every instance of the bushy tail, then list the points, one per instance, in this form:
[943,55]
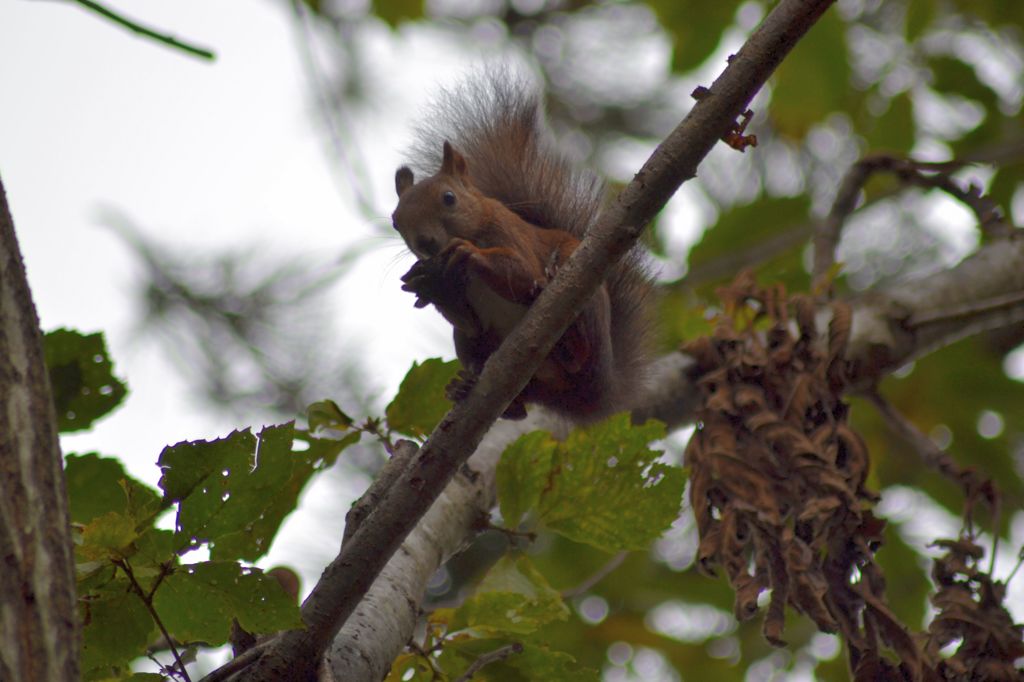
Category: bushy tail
[495,119]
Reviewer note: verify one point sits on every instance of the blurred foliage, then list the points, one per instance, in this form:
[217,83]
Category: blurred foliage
[934,79]
[946,395]
[247,327]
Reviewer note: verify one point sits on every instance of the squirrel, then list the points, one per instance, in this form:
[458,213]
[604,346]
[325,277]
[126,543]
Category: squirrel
[490,228]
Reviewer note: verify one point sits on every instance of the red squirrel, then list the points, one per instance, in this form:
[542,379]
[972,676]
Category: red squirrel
[491,227]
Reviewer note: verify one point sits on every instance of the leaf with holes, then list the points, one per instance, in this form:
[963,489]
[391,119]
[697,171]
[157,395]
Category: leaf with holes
[522,475]
[225,590]
[601,486]
[234,492]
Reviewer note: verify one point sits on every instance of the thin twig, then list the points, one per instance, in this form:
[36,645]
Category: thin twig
[728,264]
[971,309]
[930,453]
[1020,560]
[355,179]
[156,35]
[939,460]
[238,662]
[912,173]
[148,602]
[492,657]
[599,575]
[428,657]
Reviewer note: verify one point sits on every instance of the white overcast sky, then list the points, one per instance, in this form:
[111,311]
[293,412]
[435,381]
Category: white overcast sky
[201,155]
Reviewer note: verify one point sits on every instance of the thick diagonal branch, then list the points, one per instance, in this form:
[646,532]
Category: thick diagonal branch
[346,580]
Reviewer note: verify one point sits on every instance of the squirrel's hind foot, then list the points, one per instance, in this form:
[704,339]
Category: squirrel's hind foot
[458,389]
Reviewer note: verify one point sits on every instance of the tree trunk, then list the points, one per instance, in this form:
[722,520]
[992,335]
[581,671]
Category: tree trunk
[39,636]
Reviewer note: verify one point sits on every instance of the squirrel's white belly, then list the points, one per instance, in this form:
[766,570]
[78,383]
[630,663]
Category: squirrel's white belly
[494,311]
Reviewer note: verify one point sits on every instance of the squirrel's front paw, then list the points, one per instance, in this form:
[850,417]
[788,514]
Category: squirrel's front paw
[550,268]
[457,255]
[423,279]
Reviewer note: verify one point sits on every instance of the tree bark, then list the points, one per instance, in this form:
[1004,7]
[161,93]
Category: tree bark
[385,619]
[39,635]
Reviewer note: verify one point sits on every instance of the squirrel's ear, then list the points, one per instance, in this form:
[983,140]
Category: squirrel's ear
[403,179]
[453,162]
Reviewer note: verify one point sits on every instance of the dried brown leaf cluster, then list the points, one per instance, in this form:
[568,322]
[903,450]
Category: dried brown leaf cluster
[777,476]
[777,487]
[971,610]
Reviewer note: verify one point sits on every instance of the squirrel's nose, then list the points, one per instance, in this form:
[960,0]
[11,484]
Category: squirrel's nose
[428,246]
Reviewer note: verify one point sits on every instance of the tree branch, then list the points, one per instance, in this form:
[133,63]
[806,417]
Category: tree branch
[894,325]
[385,619]
[347,579]
[488,658]
[39,634]
[916,173]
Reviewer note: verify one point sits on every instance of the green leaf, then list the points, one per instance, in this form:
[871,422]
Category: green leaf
[81,375]
[602,485]
[154,548]
[117,628]
[197,602]
[97,485]
[421,403]
[814,80]
[894,130]
[395,12]
[920,14]
[409,667]
[696,27]
[236,491]
[514,598]
[750,228]
[327,415]
[522,475]
[1007,182]
[681,317]
[108,535]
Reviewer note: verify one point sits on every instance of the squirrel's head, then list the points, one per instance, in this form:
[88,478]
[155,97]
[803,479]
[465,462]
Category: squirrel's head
[433,211]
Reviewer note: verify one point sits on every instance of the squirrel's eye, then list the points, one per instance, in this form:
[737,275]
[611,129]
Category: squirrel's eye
[448,198]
